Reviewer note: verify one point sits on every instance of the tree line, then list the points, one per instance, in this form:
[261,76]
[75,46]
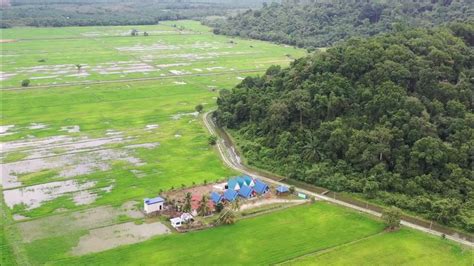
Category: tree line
[61,13]
[313,24]
[389,118]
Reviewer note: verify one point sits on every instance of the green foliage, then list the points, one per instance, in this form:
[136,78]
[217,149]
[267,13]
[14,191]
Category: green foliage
[25,83]
[227,216]
[203,208]
[49,13]
[187,202]
[212,140]
[199,108]
[219,207]
[390,117]
[392,217]
[313,24]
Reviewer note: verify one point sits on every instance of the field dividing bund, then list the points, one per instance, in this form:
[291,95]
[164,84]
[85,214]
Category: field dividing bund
[109,119]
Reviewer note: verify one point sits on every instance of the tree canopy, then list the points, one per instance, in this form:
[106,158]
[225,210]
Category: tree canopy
[321,23]
[389,117]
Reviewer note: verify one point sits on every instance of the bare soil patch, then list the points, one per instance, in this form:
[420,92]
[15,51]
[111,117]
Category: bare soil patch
[116,235]
[66,223]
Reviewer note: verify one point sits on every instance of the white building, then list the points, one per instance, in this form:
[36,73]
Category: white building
[153,205]
[176,222]
[179,221]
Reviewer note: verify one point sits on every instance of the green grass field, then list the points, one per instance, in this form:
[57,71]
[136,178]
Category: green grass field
[82,148]
[404,247]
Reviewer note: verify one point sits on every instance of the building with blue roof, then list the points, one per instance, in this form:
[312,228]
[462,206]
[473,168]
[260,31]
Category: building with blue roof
[233,184]
[153,204]
[246,192]
[216,197]
[282,189]
[248,180]
[260,187]
[230,195]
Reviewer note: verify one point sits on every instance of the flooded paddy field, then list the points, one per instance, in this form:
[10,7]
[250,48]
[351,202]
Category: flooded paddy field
[90,54]
[77,158]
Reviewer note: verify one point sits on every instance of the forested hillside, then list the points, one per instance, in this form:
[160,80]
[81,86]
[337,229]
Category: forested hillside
[318,23]
[388,117]
[59,13]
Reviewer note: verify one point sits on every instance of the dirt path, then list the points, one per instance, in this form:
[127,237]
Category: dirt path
[267,202]
[232,160]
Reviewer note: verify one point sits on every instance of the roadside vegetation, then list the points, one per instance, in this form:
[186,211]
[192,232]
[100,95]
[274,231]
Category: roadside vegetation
[389,117]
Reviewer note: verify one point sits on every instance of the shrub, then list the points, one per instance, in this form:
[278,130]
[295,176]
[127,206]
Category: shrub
[25,83]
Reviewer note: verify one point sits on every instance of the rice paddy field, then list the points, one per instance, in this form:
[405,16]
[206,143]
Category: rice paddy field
[109,119]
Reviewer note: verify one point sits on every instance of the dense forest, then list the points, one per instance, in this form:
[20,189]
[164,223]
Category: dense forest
[320,23]
[59,13]
[388,117]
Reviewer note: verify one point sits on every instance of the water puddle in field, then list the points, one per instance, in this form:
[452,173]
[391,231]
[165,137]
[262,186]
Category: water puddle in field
[4,130]
[151,126]
[84,197]
[53,71]
[179,72]
[71,129]
[150,145]
[5,76]
[37,126]
[180,115]
[113,236]
[33,196]
[123,67]
[66,157]
[67,223]
[147,48]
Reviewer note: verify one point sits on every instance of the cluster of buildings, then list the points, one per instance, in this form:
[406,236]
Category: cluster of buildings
[241,186]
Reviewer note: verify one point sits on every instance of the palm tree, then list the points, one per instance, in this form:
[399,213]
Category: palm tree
[310,149]
[227,217]
[236,204]
[187,202]
[203,208]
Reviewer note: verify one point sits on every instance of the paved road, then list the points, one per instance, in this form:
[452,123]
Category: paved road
[232,160]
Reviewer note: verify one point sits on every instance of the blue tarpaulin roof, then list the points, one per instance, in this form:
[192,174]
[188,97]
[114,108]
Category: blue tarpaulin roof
[282,189]
[216,197]
[154,200]
[230,195]
[245,192]
[260,187]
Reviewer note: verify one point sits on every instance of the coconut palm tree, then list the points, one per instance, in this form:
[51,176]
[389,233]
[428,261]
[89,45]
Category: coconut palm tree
[236,204]
[227,216]
[187,202]
[203,208]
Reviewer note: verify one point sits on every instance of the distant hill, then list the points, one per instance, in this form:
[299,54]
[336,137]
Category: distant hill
[388,117]
[321,23]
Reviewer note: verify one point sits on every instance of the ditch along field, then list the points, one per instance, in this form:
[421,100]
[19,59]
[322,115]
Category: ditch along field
[81,148]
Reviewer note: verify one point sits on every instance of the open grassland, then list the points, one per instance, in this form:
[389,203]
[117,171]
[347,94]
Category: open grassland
[51,56]
[261,240]
[283,235]
[404,247]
